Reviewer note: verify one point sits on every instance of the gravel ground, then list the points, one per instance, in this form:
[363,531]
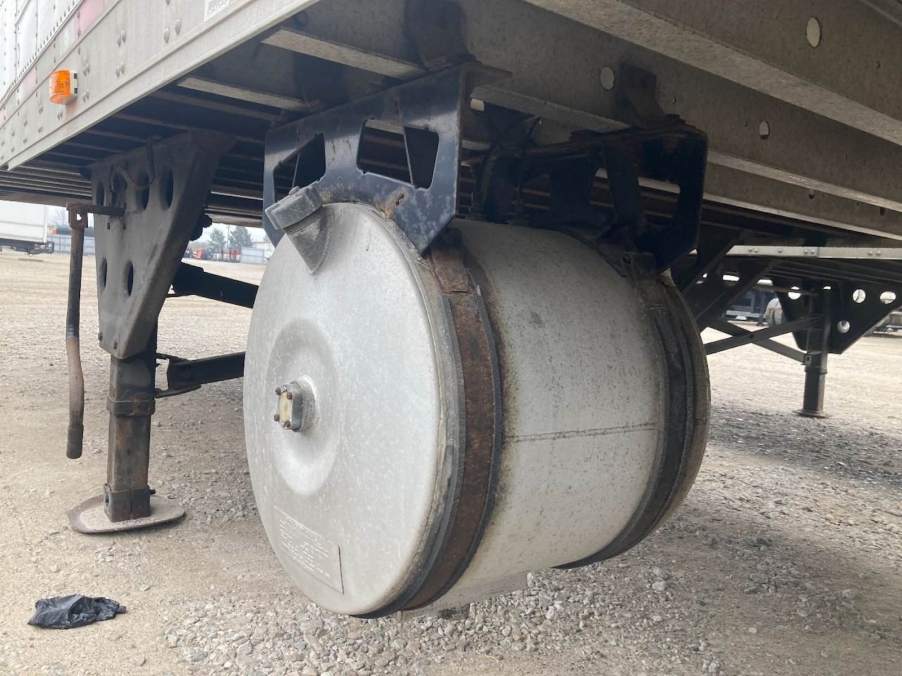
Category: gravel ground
[786,557]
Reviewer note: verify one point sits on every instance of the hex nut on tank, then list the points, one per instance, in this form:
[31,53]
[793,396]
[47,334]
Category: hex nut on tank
[296,406]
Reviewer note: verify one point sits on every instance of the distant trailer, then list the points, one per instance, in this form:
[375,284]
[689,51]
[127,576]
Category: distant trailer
[253,255]
[750,306]
[891,324]
[23,227]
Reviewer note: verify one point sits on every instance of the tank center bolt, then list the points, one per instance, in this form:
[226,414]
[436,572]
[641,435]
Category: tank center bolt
[296,408]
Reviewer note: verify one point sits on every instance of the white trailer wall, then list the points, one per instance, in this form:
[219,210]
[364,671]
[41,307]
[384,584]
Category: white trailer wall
[26,26]
[24,222]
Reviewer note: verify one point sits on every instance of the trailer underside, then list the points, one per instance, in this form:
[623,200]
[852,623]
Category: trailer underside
[803,117]
[692,147]
[832,113]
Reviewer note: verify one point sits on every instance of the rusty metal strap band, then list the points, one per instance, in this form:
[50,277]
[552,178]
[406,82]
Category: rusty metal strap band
[482,406]
[131,408]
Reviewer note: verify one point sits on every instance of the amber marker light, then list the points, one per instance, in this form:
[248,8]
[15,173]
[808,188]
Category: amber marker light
[63,86]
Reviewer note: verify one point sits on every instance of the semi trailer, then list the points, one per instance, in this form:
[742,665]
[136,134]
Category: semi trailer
[500,226]
[24,227]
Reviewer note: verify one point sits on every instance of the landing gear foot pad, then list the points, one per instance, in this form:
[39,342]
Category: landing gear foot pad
[811,414]
[90,518]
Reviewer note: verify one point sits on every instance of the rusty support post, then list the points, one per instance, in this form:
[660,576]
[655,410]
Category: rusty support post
[126,495]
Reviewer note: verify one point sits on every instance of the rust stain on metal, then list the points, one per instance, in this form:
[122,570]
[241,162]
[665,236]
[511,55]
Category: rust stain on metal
[391,202]
[482,409]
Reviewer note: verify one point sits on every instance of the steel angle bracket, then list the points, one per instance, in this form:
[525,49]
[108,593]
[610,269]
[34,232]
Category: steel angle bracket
[857,308]
[324,151]
[657,146]
[711,296]
[162,189]
[852,307]
[667,150]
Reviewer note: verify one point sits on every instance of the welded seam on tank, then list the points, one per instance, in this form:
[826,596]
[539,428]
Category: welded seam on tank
[669,318]
[592,432]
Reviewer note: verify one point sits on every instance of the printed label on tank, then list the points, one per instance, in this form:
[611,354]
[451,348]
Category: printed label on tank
[313,552]
[213,7]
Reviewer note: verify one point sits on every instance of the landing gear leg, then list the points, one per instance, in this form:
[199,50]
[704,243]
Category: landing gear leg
[131,405]
[127,502]
[815,382]
[816,369]
[818,349]
[149,204]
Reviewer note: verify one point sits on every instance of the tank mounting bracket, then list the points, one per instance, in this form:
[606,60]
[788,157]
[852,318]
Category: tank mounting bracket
[667,150]
[323,159]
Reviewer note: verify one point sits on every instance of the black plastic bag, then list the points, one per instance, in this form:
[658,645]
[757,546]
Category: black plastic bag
[75,610]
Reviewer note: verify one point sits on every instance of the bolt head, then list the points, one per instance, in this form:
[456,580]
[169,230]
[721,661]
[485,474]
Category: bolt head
[296,408]
[608,78]
[814,31]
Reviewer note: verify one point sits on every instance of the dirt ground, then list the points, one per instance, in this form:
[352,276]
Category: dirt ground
[786,558]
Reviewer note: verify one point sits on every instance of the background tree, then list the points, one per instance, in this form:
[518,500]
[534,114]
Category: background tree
[240,237]
[217,241]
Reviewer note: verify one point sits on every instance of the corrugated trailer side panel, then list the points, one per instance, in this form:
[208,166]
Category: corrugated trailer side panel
[7,43]
[121,50]
[26,28]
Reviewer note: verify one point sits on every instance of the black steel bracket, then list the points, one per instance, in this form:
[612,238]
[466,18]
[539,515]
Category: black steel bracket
[854,308]
[161,190]
[325,152]
[190,280]
[186,375]
[710,296]
[659,147]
